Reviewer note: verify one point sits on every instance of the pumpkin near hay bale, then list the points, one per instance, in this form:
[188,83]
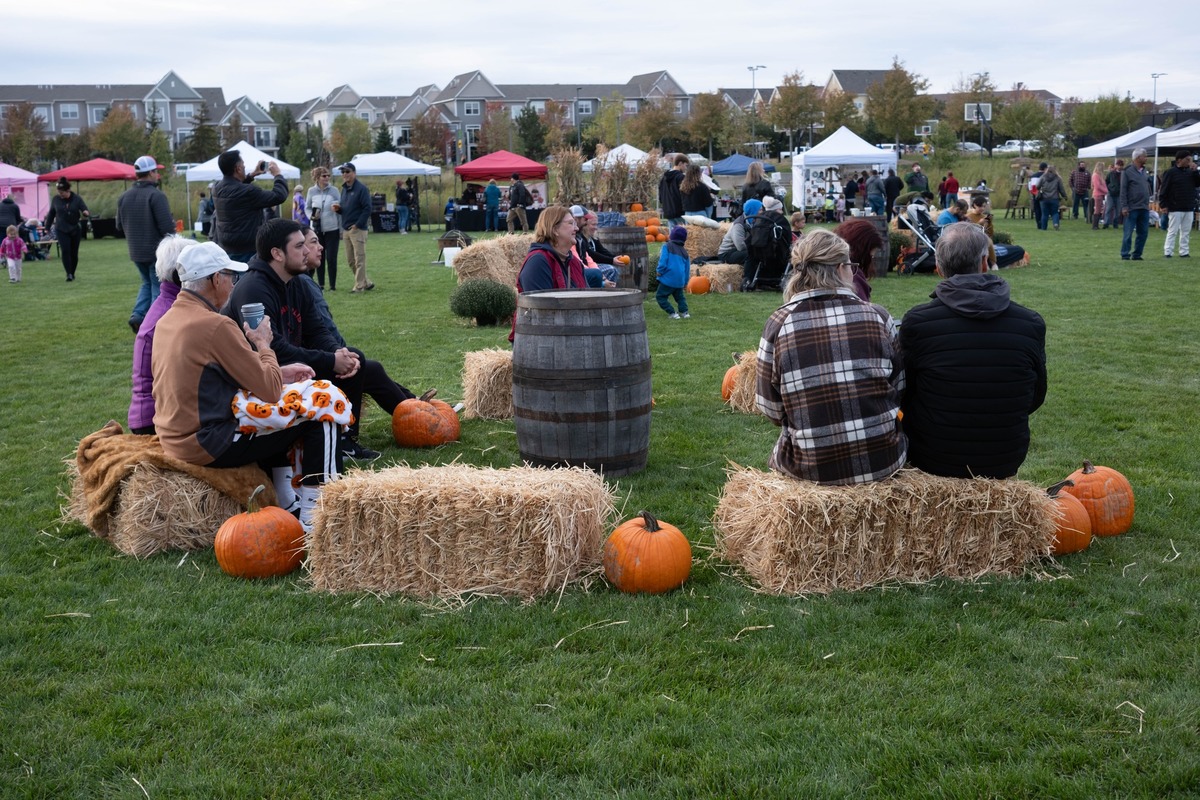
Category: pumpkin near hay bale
[424,422]
[1107,496]
[635,207]
[1074,528]
[263,542]
[727,383]
[698,284]
[662,237]
[645,555]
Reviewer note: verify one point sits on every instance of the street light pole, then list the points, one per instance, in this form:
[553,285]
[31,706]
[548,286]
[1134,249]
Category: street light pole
[1156,76]
[753,102]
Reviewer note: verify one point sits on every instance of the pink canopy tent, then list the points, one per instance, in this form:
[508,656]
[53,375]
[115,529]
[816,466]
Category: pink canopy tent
[22,186]
[98,169]
[500,165]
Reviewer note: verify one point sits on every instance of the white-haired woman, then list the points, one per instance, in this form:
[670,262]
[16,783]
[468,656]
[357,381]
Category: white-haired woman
[141,406]
[830,373]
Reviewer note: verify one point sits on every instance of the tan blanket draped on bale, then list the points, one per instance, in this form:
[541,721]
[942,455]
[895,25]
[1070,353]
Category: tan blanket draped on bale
[105,457]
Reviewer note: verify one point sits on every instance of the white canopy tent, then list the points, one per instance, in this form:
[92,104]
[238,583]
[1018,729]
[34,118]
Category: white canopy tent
[842,148]
[391,163]
[1143,137]
[632,155]
[1180,139]
[209,171]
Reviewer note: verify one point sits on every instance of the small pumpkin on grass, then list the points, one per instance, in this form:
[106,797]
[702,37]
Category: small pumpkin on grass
[699,284]
[645,555]
[1106,495]
[727,383]
[424,422]
[262,542]
[1074,527]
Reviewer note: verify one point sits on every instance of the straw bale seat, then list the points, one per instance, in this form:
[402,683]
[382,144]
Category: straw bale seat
[487,384]
[497,259]
[797,537]
[452,530]
[703,241]
[725,278]
[743,399]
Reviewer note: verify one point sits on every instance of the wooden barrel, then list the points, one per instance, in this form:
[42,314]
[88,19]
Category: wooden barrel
[879,266]
[581,379]
[629,241]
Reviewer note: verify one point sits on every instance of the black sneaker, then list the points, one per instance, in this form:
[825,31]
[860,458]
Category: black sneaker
[353,450]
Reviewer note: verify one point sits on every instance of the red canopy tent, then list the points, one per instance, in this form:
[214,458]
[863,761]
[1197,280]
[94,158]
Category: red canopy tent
[500,165]
[98,169]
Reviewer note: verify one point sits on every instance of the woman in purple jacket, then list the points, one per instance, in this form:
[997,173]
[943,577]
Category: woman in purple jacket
[141,407]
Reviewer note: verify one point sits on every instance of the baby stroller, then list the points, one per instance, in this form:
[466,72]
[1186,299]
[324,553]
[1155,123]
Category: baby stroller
[916,218]
[768,245]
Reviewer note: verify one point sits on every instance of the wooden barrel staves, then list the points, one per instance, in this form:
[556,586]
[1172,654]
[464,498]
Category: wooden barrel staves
[627,240]
[581,380]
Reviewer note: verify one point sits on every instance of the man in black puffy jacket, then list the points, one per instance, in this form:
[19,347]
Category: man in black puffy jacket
[975,365]
[240,204]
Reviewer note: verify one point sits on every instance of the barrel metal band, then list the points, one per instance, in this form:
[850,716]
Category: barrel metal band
[564,379]
[633,412]
[579,330]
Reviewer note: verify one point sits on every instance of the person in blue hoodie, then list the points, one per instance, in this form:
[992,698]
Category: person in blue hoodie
[673,268]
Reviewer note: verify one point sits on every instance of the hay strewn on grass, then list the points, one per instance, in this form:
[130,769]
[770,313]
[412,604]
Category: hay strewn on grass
[725,278]
[743,397]
[158,510]
[487,384]
[797,537]
[447,531]
[704,242]
[498,259]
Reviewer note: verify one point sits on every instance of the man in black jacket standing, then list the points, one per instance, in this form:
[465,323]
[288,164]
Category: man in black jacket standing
[241,204]
[144,216]
[975,366]
[355,208]
[1177,196]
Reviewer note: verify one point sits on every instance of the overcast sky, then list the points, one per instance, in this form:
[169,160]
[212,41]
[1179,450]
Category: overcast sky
[1070,47]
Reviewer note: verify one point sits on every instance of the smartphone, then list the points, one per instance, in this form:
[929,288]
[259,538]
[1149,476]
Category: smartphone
[262,166]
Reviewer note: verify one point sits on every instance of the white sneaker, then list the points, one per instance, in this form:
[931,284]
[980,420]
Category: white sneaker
[687,315]
[674,316]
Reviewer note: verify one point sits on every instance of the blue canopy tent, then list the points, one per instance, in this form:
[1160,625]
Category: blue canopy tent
[737,164]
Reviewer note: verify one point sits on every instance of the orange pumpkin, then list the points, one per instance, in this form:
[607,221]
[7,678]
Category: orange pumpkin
[260,543]
[645,555]
[636,207]
[1074,531]
[655,221]
[662,237]
[652,230]
[699,284]
[649,239]
[622,260]
[424,422]
[727,383]
[641,223]
[1106,495]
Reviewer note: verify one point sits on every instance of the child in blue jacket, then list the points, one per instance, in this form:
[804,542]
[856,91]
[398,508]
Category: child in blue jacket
[674,268]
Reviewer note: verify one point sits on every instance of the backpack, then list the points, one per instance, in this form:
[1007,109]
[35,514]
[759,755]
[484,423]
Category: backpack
[770,236]
[518,195]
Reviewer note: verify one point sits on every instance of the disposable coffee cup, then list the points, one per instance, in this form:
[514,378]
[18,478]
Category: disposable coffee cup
[252,314]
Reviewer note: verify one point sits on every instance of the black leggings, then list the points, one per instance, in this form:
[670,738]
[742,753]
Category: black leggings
[68,246]
[371,379]
[330,240]
[321,461]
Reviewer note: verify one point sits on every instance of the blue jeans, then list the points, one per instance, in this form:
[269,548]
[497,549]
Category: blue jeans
[877,204]
[402,218]
[491,218]
[1050,212]
[1138,219]
[664,292]
[148,292]
[1081,200]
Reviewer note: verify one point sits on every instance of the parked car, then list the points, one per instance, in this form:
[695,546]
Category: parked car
[969,147]
[1015,147]
[891,148]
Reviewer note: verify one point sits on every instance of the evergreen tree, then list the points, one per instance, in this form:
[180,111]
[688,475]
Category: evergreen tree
[383,138]
[233,132]
[532,134]
[204,142]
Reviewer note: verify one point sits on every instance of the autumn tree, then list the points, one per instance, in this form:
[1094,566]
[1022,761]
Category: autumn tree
[429,137]
[497,131]
[605,125]
[69,148]
[896,104]
[348,136]
[655,125]
[796,106]
[979,89]
[709,120]
[560,130]
[838,110]
[1104,117]
[120,137]
[532,133]
[232,133]
[1024,118]
[159,146]
[21,132]
[205,142]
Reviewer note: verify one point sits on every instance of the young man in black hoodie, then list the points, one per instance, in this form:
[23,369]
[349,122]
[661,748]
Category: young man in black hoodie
[975,366]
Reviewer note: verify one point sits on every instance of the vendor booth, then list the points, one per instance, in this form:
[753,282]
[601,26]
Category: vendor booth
[1142,137]
[96,169]
[820,167]
[737,164]
[22,186]
[389,162]
[468,214]
[251,155]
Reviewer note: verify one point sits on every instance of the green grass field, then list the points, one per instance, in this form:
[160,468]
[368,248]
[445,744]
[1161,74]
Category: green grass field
[166,678]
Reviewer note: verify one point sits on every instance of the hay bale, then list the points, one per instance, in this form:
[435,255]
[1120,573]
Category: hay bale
[725,278]
[632,217]
[744,383]
[798,537]
[487,384]
[160,509]
[497,259]
[456,529]
[703,242]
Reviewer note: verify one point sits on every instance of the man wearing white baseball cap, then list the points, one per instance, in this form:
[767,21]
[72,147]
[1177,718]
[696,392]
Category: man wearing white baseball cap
[200,361]
[144,216]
